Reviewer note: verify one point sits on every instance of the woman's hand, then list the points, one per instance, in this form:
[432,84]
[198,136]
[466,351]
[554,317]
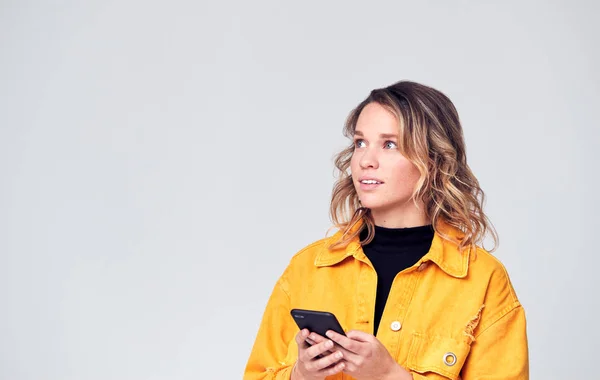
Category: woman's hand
[365,357]
[311,367]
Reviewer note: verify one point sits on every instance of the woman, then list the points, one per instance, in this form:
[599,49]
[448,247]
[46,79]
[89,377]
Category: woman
[404,274]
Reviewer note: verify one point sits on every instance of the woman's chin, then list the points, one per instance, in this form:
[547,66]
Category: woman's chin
[373,206]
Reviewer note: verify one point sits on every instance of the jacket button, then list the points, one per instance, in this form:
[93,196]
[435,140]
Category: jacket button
[449,359]
[395,326]
[422,266]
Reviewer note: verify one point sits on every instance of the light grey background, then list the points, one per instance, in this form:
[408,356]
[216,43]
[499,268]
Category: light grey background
[161,162]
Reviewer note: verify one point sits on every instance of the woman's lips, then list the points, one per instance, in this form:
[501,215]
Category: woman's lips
[369,185]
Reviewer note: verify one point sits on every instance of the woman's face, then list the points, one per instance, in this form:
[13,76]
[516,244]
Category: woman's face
[384,179]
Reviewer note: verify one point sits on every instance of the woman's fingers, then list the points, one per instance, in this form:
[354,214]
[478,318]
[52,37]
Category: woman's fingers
[334,370]
[351,345]
[316,337]
[360,336]
[318,349]
[328,361]
[316,355]
[301,337]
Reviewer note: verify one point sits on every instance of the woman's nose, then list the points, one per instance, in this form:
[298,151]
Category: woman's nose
[369,160]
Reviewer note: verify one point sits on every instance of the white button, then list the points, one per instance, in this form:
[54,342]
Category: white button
[395,326]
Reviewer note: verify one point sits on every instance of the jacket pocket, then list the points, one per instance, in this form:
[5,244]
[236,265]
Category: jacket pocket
[442,355]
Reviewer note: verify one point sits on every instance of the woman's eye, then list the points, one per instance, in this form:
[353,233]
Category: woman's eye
[359,143]
[390,145]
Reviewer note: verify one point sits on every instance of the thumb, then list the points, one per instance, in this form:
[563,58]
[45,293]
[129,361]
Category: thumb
[360,336]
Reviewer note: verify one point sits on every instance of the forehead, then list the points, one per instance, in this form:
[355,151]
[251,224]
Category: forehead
[375,119]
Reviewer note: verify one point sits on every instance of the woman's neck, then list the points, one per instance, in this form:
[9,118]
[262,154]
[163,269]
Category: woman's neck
[395,218]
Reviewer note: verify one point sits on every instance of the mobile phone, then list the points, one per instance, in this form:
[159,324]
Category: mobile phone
[315,321]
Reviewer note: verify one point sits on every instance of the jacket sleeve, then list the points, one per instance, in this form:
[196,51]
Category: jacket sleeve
[500,351]
[271,357]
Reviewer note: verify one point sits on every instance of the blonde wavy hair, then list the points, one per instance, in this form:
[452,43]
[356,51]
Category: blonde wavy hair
[431,137]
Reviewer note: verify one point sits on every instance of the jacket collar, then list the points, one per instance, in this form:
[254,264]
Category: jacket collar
[443,252]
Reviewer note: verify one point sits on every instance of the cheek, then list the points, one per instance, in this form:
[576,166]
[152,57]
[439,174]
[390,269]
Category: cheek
[353,163]
[406,174]
[413,173]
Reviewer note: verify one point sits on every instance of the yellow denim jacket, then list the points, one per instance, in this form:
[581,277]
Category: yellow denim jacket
[451,315]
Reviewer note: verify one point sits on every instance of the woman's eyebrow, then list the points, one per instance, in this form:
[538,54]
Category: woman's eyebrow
[382,136]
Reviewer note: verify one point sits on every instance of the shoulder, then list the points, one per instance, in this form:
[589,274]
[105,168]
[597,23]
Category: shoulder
[302,263]
[500,296]
[318,248]
[484,263]
[305,259]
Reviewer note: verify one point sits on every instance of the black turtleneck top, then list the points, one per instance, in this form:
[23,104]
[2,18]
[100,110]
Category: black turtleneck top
[391,251]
